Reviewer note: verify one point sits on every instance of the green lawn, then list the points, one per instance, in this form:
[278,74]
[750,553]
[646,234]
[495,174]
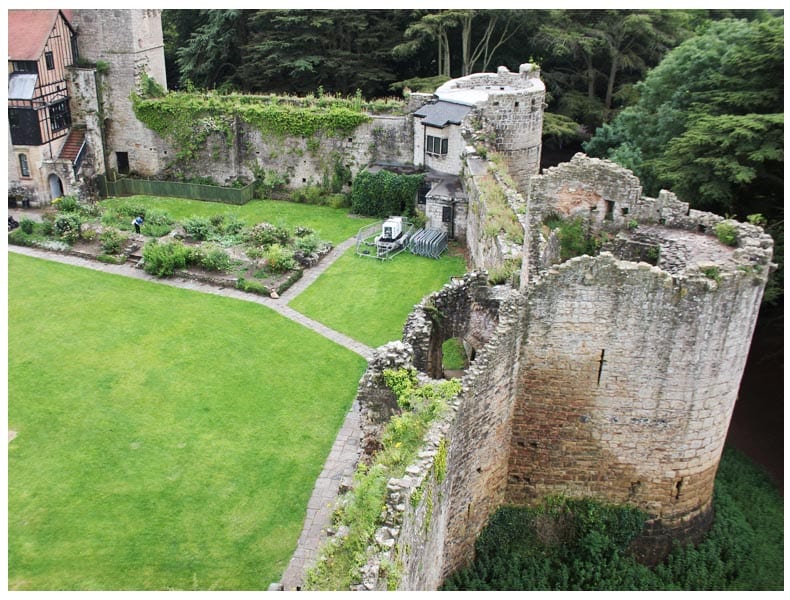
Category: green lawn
[369,299]
[165,439]
[332,224]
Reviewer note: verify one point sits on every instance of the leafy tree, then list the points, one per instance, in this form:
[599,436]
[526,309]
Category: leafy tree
[733,68]
[431,26]
[594,48]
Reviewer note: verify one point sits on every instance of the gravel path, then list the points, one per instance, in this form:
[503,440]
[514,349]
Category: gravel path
[342,458]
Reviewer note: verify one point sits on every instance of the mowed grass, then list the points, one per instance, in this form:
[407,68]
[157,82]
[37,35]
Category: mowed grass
[165,439]
[368,299]
[331,224]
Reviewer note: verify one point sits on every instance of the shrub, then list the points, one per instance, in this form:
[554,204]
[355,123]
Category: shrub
[198,228]
[111,240]
[338,201]
[266,234]
[27,225]
[19,238]
[307,244]
[68,227]
[575,239]
[233,225]
[279,259]
[110,259]
[726,232]
[255,287]
[713,273]
[66,204]
[310,194]
[292,278]
[214,258]
[163,258]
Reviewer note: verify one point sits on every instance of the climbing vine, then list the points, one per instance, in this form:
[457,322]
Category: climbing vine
[188,118]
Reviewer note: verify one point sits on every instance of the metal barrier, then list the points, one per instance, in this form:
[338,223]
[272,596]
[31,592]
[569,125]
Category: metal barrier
[428,242]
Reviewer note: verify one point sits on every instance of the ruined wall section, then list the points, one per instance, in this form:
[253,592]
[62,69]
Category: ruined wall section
[628,378]
[435,512]
[490,250]
[299,161]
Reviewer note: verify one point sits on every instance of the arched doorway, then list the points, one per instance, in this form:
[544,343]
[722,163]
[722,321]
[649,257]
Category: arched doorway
[55,187]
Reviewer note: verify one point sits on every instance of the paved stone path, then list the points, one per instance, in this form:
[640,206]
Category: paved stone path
[342,458]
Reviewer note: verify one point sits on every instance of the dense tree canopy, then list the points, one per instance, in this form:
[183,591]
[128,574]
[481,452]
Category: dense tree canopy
[709,120]
[709,125]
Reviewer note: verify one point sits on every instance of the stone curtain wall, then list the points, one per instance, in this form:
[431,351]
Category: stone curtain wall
[627,383]
[431,523]
[486,251]
[385,138]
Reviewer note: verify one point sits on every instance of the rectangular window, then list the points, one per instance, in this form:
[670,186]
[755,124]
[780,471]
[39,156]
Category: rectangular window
[50,60]
[24,66]
[24,126]
[422,193]
[59,115]
[436,145]
[24,168]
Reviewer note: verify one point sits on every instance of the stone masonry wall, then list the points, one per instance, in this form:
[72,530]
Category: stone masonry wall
[627,383]
[487,251]
[131,42]
[432,520]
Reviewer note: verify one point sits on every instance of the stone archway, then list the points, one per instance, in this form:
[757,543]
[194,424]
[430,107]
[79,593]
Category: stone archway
[55,187]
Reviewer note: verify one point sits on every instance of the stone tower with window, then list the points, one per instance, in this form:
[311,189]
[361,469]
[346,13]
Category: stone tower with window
[120,49]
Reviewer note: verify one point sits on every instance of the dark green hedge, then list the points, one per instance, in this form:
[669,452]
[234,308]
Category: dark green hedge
[581,545]
[384,193]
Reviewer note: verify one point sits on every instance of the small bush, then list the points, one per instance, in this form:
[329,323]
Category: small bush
[292,278]
[19,238]
[110,259]
[307,244]
[713,273]
[163,258]
[726,232]
[254,287]
[279,259]
[66,204]
[214,258]
[338,201]
[111,241]
[266,234]
[232,225]
[68,227]
[198,228]
[27,225]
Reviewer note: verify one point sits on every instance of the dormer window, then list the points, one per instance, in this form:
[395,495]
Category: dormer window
[436,145]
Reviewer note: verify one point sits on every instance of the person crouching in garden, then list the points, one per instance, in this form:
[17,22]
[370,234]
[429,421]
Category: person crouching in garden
[138,221]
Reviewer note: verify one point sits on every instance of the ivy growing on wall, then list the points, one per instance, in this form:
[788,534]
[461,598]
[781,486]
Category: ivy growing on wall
[384,193]
[188,118]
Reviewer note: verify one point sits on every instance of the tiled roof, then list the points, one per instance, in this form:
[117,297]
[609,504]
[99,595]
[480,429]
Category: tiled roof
[28,31]
[441,113]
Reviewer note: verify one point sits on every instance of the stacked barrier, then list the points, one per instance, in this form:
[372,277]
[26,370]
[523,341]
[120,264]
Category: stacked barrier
[428,242]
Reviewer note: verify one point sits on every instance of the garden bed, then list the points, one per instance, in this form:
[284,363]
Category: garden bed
[264,259]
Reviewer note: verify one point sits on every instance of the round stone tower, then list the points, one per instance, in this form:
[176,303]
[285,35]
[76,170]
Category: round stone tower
[631,361]
[509,113]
